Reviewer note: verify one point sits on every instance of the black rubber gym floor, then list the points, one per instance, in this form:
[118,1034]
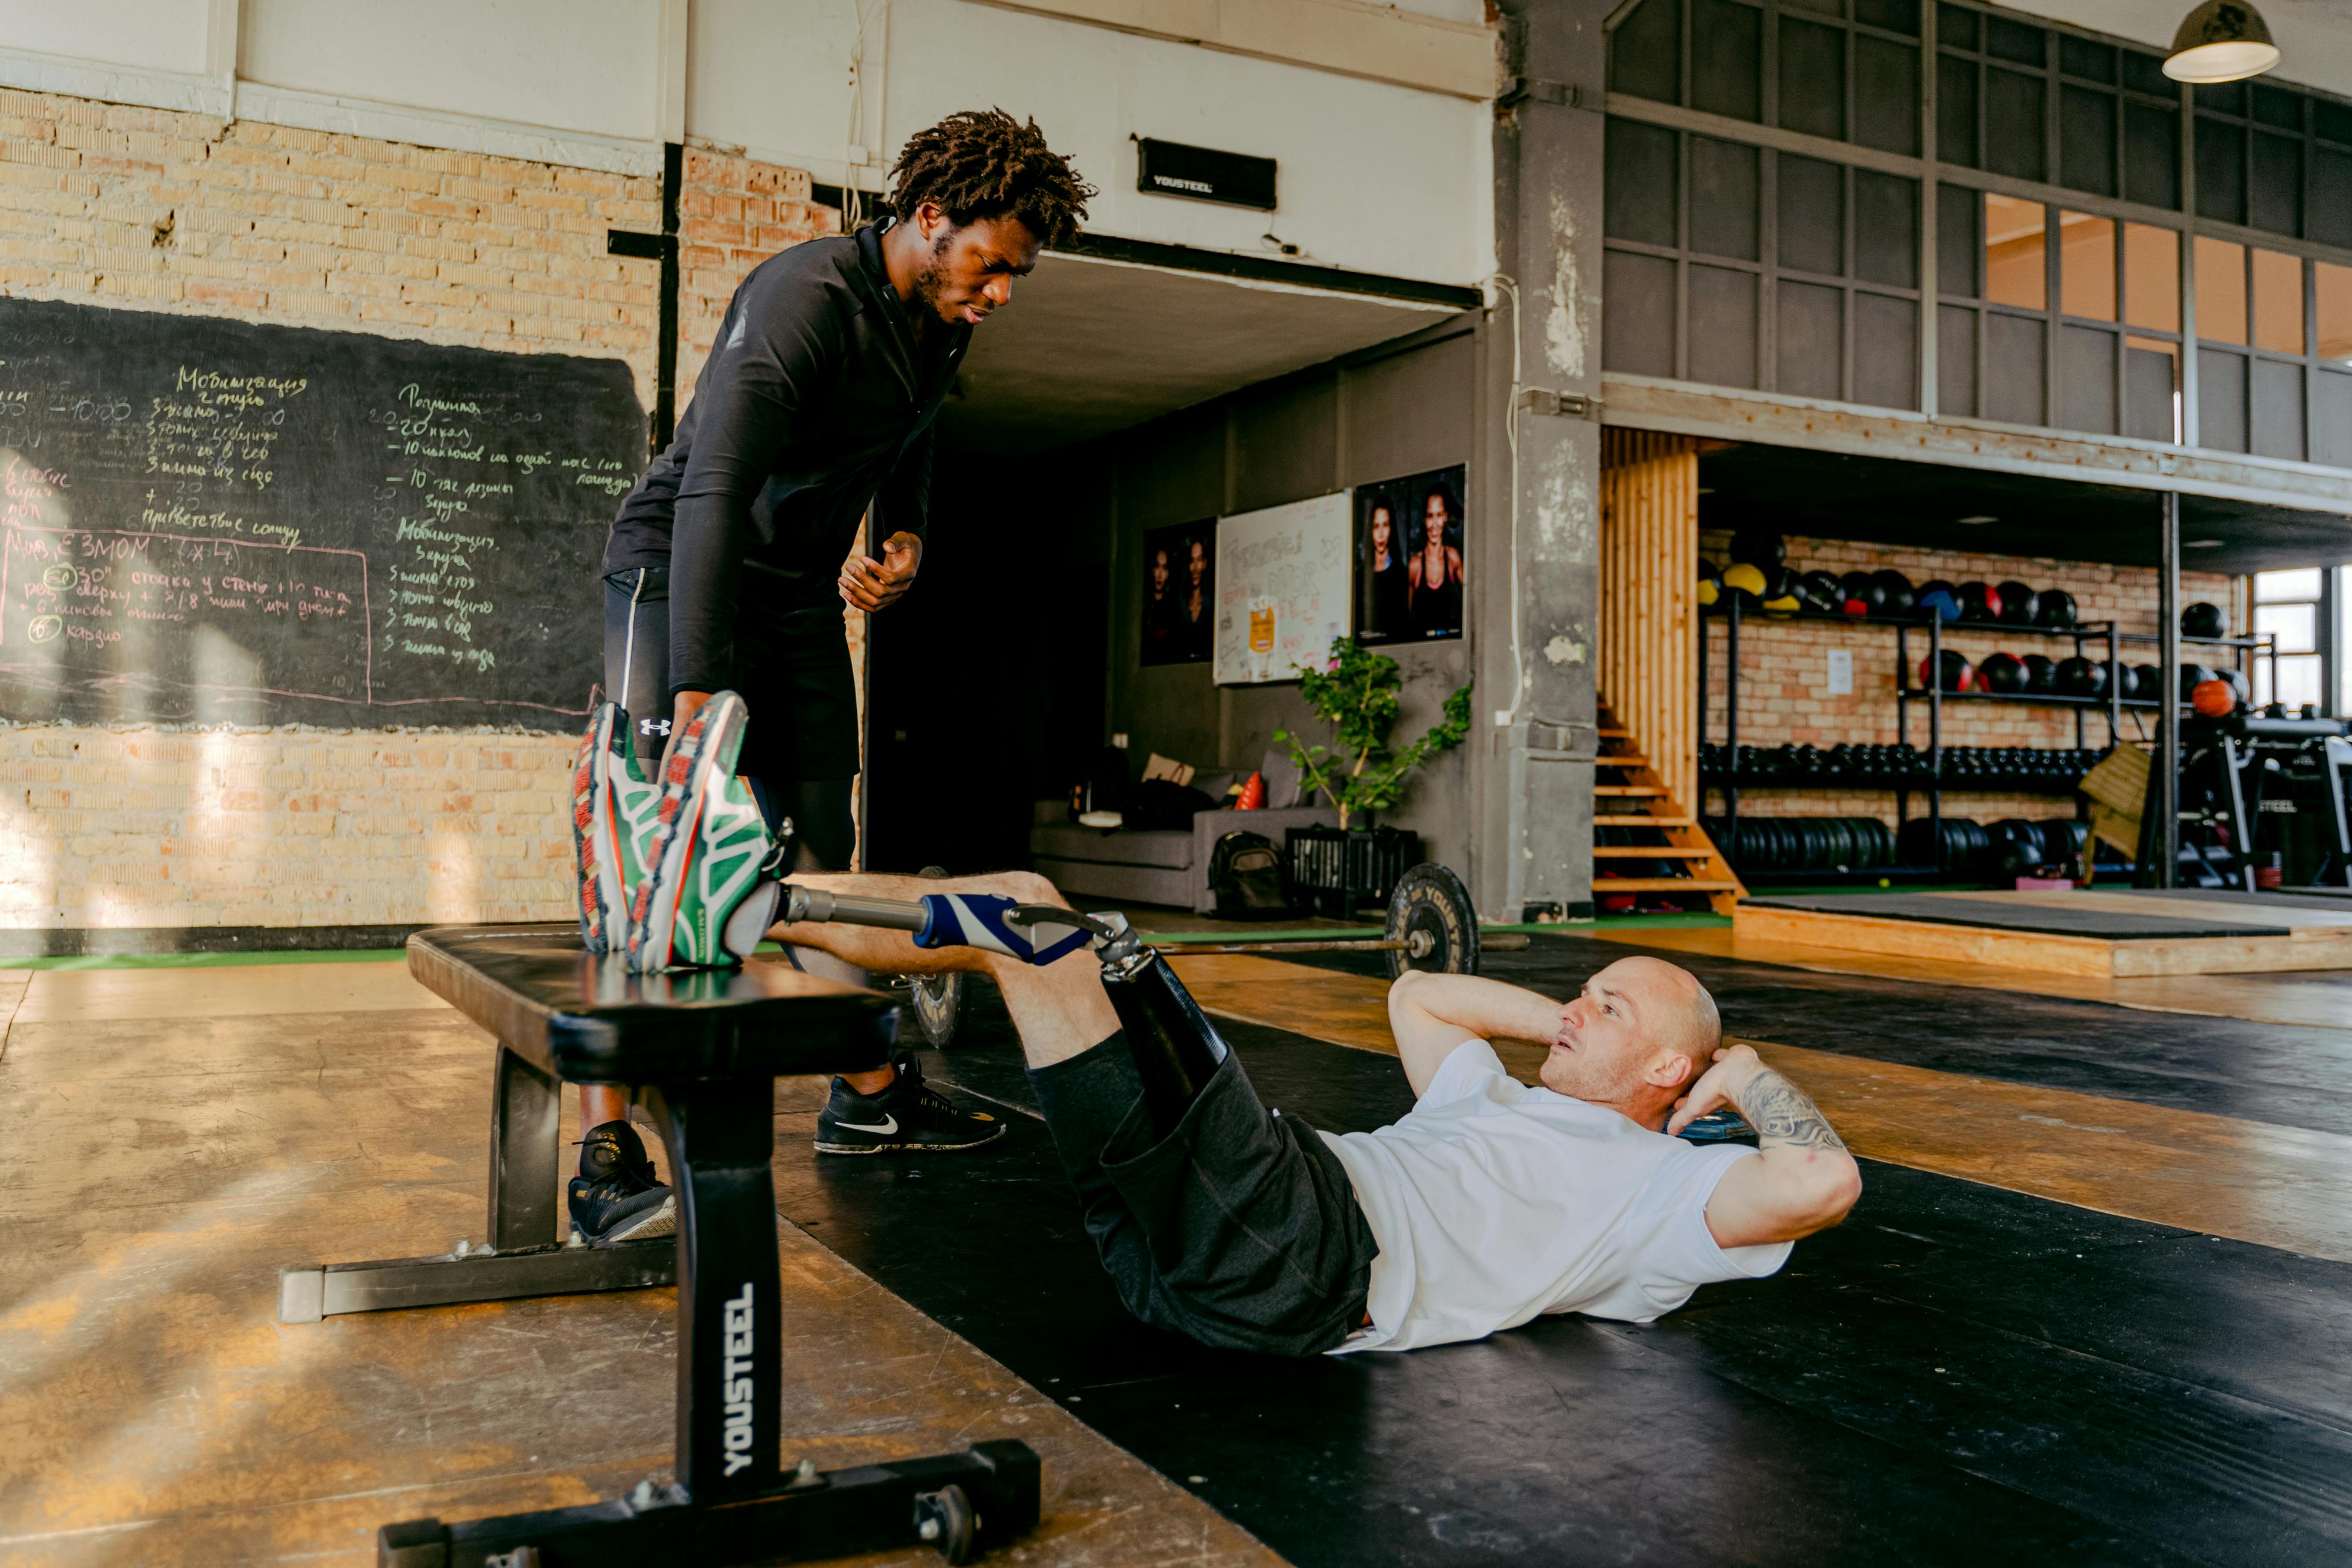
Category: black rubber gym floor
[2291,1075]
[1959,1375]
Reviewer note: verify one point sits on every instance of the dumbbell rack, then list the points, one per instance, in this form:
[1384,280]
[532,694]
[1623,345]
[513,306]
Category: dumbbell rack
[1932,696]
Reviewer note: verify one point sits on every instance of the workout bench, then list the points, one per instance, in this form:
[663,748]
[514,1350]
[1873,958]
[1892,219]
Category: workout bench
[703,1050]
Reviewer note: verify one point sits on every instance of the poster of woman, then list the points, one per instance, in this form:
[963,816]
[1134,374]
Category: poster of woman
[1180,592]
[1408,557]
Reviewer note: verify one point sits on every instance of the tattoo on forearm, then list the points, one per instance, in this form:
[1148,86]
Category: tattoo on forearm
[1783,1113]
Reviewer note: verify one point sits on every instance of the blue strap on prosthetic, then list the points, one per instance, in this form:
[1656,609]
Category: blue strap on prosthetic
[983,920]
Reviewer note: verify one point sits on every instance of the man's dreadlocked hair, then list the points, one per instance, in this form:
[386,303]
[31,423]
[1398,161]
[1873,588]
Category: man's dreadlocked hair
[983,164]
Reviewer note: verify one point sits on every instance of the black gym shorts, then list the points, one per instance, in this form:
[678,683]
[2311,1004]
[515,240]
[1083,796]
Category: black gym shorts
[791,669]
[1240,1228]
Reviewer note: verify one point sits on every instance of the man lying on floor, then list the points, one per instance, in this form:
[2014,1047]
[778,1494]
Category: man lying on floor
[1490,1202]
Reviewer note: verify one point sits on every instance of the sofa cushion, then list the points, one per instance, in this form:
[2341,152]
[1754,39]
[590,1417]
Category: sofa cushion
[1168,847]
[1084,879]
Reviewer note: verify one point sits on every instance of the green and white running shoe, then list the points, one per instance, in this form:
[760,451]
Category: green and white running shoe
[710,893]
[614,819]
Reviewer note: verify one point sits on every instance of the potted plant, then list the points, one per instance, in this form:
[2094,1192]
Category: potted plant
[1357,693]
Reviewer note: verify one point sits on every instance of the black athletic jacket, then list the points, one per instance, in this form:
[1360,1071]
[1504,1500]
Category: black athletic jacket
[815,405]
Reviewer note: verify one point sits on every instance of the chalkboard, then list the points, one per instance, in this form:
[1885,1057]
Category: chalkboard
[206,520]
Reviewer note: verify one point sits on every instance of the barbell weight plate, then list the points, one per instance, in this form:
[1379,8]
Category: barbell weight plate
[1430,899]
[936,1002]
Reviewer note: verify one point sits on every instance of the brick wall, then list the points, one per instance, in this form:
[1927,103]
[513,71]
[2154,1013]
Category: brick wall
[146,209]
[1784,677]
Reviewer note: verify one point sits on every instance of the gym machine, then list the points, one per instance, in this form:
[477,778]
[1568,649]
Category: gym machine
[2258,790]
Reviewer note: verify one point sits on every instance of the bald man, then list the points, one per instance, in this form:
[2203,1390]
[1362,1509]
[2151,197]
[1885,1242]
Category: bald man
[1491,1202]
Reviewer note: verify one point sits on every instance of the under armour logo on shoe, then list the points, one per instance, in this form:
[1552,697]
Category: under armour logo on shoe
[653,727]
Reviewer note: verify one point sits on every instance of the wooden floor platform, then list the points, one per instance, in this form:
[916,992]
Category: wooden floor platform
[2114,932]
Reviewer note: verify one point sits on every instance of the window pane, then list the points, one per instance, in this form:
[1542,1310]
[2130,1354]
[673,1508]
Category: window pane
[2271,586]
[1885,228]
[2295,624]
[2086,140]
[1813,216]
[1812,78]
[2335,290]
[2221,290]
[1639,197]
[1645,52]
[2278,302]
[2151,389]
[2220,169]
[2086,266]
[1956,109]
[2014,135]
[2298,681]
[2152,277]
[2014,253]
[1727,58]
[1723,198]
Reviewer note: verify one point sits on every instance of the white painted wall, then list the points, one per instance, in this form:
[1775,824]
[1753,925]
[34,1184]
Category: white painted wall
[146,35]
[586,66]
[2315,36]
[773,78]
[581,81]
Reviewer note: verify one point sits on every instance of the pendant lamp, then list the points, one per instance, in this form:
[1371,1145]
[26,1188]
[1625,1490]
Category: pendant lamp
[2222,40]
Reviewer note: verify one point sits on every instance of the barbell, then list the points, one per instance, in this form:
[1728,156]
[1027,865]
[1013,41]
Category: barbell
[1431,927]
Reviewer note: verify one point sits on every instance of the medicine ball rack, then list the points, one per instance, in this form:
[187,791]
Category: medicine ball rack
[1934,785]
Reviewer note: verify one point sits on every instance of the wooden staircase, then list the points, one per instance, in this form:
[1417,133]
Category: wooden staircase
[1632,795]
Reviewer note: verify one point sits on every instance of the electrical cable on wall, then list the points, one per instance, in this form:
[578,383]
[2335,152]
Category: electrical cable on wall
[1505,717]
[853,197]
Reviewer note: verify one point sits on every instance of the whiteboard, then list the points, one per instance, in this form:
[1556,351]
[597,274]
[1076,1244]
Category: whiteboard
[1283,589]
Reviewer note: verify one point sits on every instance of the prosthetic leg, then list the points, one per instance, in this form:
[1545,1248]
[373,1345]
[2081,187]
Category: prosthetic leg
[1176,1050]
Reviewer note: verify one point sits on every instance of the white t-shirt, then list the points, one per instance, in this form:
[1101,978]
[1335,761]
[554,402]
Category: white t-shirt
[1493,1202]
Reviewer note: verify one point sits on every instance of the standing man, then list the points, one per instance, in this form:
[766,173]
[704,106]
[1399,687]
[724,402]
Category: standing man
[726,568]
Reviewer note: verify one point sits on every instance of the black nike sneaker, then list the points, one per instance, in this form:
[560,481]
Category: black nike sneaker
[615,1198]
[910,1116]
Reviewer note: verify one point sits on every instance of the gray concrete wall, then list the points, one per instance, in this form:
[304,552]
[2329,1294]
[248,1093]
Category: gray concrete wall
[1375,416]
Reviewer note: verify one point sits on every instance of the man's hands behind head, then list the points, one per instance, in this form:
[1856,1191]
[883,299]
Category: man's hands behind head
[1718,1086]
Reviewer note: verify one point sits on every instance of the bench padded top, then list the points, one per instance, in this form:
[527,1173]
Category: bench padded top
[587,1019]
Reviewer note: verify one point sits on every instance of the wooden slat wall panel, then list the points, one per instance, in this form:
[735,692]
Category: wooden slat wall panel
[1649,566]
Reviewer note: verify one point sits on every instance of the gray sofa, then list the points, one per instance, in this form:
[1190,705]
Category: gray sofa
[1165,866]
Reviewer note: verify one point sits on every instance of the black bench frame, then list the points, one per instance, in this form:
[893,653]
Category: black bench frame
[704,1050]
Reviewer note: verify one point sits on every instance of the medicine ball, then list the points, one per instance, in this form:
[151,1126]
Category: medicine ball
[1710,583]
[1900,598]
[2237,679]
[1938,601]
[1861,593]
[1781,596]
[2056,610]
[2000,673]
[1822,591]
[2214,698]
[2125,679]
[2192,676]
[1957,676]
[2078,677]
[2203,620]
[1979,601]
[1746,580]
[1751,547]
[2147,684]
[2040,673]
[2017,844]
[2018,603]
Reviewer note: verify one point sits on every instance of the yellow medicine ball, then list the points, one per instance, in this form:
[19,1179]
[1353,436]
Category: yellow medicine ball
[1744,578]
